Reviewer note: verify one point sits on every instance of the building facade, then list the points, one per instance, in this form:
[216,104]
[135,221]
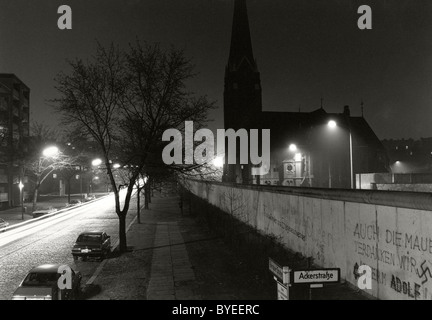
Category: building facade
[14,132]
[409,155]
[319,156]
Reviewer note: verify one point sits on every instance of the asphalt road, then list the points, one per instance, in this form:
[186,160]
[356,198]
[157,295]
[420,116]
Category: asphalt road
[50,240]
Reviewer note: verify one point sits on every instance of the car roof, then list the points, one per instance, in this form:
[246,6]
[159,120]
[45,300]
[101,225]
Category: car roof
[91,232]
[45,268]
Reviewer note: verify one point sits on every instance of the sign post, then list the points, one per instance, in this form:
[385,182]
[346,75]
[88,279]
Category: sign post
[282,278]
[315,278]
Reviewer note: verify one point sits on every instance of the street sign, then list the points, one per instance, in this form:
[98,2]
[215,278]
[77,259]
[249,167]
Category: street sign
[315,276]
[282,292]
[276,269]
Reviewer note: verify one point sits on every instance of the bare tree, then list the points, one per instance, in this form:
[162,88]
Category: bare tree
[125,100]
[41,168]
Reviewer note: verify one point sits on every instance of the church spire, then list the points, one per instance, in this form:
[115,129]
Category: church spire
[241,43]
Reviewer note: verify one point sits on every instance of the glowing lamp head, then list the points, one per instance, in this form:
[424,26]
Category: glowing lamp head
[292,147]
[218,162]
[331,124]
[96,162]
[50,152]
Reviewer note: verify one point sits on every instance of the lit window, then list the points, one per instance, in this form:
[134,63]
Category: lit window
[406,147]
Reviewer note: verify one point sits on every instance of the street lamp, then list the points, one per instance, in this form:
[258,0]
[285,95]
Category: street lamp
[50,152]
[21,186]
[218,162]
[332,124]
[96,162]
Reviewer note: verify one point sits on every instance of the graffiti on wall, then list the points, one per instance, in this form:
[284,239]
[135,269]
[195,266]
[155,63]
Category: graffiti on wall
[372,243]
[269,215]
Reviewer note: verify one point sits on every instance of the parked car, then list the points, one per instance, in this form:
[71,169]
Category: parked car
[92,244]
[41,284]
[73,202]
[3,224]
[43,211]
[89,198]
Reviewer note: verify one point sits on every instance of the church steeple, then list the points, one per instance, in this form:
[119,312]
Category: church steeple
[242,92]
[241,43]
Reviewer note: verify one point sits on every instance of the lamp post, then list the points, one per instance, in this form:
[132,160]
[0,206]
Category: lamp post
[332,125]
[21,186]
[95,163]
[48,152]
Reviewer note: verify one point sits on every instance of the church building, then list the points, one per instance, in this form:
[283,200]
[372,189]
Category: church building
[314,149]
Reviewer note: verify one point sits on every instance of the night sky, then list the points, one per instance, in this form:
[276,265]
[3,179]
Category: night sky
[305,50]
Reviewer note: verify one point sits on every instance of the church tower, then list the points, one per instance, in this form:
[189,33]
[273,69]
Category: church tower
[242,91]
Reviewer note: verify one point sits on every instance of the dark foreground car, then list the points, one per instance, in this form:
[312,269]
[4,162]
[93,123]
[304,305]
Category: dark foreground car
[41,284]
[92,244]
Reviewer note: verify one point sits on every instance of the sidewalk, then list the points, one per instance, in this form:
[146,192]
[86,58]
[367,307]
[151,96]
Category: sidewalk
[171,257]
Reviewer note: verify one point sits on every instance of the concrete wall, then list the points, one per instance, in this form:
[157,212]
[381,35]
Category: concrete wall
[418,187]
[420,182]
[389,231]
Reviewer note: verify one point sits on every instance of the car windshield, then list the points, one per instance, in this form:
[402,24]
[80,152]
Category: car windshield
[90,238]
[35,279]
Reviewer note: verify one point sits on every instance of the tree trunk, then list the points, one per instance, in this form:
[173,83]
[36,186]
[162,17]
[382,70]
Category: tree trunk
[146,197]
[122,233]
[138,205]
[35,195]
[149,192]
[69,190]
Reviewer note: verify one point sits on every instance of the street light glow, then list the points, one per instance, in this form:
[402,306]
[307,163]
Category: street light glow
[292,147]
[332,124]
[21,185]
[50,152]
[96,162]
[116,166]
[218,162]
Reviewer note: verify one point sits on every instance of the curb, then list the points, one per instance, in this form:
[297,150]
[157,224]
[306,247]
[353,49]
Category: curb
[102,264]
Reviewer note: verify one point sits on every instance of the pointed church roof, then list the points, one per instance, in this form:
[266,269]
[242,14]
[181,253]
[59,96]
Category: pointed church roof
[241,43]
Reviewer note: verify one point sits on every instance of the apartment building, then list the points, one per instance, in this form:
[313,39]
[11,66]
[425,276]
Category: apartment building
[14,132]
